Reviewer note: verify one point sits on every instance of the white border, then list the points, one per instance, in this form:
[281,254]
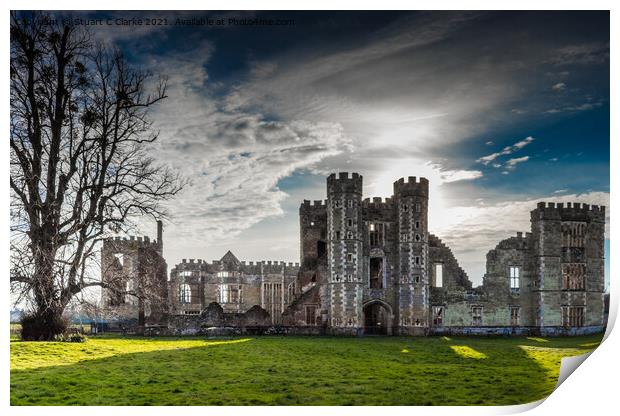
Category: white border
[590,390]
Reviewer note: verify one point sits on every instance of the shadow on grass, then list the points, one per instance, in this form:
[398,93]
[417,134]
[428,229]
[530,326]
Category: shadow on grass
[308,371]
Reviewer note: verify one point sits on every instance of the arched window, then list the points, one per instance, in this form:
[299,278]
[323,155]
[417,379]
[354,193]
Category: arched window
[185,293]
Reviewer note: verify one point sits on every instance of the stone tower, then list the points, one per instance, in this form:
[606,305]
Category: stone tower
[345,253]
[411,203]
[135,277]
[569,279]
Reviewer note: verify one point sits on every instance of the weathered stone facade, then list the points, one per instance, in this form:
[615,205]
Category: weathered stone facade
[375,268]
[371,266]
[235,285]
[134,275]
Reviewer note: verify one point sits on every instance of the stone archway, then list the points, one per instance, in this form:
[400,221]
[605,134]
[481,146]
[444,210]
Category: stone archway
[377,318]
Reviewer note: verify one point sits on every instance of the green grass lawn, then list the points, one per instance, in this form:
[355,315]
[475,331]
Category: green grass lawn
[290,370]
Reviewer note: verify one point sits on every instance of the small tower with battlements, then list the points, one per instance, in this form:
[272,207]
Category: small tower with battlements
[134,275]
[569,278]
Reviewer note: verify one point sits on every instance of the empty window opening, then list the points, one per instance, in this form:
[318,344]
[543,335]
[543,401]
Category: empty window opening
[405,207]
[515,272]
[417,237]
[476,315]
[310,315]
[337,235]
[438,275]
[321,248]
[120,257]
[350,203]
[349,222]
[375,234]
[573,276]
[350,257]
[185,293]
[437,315]
[416,278]
[514,315]
[416,259]
[573,316]
[230,293]
[417,224]
[573,234]
[376,273]
[349,235]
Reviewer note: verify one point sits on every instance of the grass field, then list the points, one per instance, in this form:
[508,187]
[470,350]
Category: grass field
[290,371]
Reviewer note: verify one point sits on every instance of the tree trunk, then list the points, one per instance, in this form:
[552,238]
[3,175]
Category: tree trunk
[46,321]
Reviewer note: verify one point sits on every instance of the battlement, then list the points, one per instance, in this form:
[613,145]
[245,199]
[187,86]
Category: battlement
[315,203]
[343,183]
[313,206]
[130,242]
[377,202]
[196,264]
[344,176]
[575,211]
[411,187]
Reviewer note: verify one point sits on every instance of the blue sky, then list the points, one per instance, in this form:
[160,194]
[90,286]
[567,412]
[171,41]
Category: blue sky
[498,109]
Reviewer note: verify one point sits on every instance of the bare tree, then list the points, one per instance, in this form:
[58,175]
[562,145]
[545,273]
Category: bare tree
[79,165]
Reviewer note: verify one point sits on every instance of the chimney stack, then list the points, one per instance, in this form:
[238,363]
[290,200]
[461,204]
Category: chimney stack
[160,236]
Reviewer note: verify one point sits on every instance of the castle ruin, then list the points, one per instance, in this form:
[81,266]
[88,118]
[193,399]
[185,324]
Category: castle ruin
[371,266]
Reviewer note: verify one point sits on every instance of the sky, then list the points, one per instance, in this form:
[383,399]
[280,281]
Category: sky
[499,110]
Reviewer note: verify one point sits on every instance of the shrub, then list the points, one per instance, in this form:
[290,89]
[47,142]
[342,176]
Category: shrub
[42,327]
[76,337]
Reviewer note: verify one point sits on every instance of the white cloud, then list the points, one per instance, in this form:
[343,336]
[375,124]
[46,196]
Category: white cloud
[512,163]
[485,160]
[573,108]
[460,175]
[559,86]
[234,158]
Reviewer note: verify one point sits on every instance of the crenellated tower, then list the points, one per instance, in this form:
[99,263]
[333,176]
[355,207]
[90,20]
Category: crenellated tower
[345,253]
[411,204]
[568,283]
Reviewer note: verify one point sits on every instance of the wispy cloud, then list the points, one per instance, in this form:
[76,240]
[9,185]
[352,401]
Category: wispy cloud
[512,163]
[559,86]
[572,108]
[485,160]
[584,54]
[234,158]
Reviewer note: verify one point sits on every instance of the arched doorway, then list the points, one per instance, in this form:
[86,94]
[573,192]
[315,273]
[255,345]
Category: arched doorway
[377,318]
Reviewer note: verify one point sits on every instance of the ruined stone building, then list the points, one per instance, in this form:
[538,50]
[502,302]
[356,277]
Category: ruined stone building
[371,266]
[235,285]
[134,276]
